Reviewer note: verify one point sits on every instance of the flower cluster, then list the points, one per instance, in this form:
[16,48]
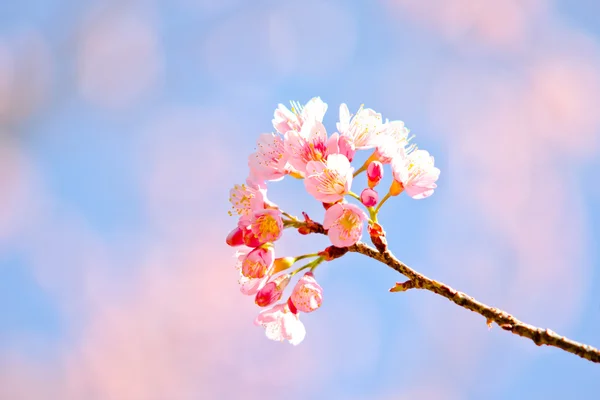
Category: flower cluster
[301,148]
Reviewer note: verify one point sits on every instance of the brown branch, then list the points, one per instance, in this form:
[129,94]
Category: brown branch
[418,281]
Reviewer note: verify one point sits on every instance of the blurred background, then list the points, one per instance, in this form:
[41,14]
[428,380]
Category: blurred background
[123,124]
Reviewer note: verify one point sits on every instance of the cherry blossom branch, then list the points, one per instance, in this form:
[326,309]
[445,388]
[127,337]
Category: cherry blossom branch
[416,280]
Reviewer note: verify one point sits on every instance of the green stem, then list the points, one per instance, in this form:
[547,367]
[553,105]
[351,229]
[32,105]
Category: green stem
[291,217]
[366,164]
[372,214]
[385,198]
[312,265]
[357,197]
[302,257]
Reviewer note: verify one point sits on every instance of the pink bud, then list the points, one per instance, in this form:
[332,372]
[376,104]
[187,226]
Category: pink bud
[369,197]
[272,291]
[235,237]
[307,295]
[374,173]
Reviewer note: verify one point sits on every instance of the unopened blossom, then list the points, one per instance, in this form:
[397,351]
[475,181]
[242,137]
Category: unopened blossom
[283,263]
[309,144]
[266,225]
[272,291]
[374,173]
[416,173]
[369,197]
[329,181]
[308,294]
[285,120]
[269,161]
[281,323]
[362,129]
[344,223]
[258,262]
[235,237]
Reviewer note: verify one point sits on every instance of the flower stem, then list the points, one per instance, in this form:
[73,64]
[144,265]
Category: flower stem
[312,265]
[357,197]
[385,198]
[302,257]
[289,216]
[366,164]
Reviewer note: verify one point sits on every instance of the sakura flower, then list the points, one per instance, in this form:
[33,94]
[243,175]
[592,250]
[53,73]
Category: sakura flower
[337,144]
[369,197]
[308,294]
[416,173]
[272,291]
[246,198]
[248,286]
[392,141]
[281,323]
[258,262]
[285,120]
[270,159]
[344,223]
[329,181]
[362,129]
[266,225]
[310,144]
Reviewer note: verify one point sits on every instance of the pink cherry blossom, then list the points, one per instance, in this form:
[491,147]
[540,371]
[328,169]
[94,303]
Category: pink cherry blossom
[248,286]
[266,225]
[285,120]
[310,144]
[281,323]
[362,129]
[329,181]
[369,197]
[249,238]
[308,294]
[269,161]
[392,141]
[337,144]
[258,262]
[417,173]
[246,198]
[272,291]
[344,223]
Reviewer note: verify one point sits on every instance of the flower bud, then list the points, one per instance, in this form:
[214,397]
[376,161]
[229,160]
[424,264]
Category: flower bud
[396,188]
[369,197]
[272,291]
[283,263]
[374,173]
[308,294]
[235,237]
